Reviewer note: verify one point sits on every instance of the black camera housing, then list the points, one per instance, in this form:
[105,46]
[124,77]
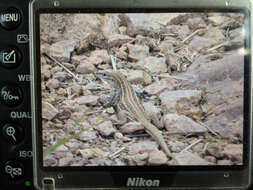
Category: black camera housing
[15,102]
[157,177]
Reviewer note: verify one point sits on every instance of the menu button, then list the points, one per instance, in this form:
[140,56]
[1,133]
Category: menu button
[10,18]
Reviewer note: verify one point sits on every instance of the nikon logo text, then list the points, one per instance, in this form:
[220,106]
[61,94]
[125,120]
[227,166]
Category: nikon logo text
[140,182]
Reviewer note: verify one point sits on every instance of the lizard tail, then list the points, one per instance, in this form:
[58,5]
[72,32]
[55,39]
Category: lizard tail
[157,136]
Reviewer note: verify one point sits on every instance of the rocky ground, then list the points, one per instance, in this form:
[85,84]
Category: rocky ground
[186,68]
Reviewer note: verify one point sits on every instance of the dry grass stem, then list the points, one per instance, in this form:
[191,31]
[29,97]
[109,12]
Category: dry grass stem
[192,34]
[114,64]
[113,155]
[65,68]
[191,145]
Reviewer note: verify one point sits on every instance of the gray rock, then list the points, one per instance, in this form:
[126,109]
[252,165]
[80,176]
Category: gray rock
[227,120]
[169,99]
[90,28]
[224,162]
[118,40]
[118,135]
[154,114]
[157,157]
[45,71]
[177,146]
[215,34]
[50,161]
[214,149]
[72,144]
[236,33]
[85,67]
[60,76]
[48,111]
[131,127]
[110,110]
[231,24]
[213,71]
[198,148]
[62,148]
[86,153]
[147,41]
[138,76]
[87,100]
[106,128]
[217,20]
[211,159]
[199,43]
[166,46]
[236,128]
[188,158]
[180,124]
[143,146]
[196,23]
[99,56]
[61,91]
[66,161]
[88,136]
[77,59]
[80,108]
[122,30]
[76,88]
[157,87]
[45,48]
[62,154]
[154,65]
[137,159]
[233,152]
[138,52]
[62,50]
[69,65]
[50,31]
[52,83]
[137,23]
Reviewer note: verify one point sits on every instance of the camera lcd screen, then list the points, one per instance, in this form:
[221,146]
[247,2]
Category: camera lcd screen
[142,89]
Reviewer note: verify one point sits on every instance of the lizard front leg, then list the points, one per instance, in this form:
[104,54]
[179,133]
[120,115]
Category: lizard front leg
[122,116]
[110,100]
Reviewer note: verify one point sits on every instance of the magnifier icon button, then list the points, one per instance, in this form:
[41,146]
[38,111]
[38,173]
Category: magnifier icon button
[13,133]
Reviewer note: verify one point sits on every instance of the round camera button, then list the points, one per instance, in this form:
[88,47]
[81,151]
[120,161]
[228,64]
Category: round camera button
[11,95]
[10,57]
[13,133]
[15,170]
[10,18]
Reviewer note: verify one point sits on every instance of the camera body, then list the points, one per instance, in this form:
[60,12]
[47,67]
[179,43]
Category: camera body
[126,94]
[15,101]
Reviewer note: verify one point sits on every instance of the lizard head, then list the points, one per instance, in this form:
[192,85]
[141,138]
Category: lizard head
[107,77]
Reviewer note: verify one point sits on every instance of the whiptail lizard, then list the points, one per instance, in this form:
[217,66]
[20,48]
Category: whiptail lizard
[129,106]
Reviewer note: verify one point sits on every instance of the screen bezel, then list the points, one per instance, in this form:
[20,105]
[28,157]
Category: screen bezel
[216,172]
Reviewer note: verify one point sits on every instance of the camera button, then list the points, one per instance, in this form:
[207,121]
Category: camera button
[13,133]
[10,57]
[10,18]
[11,95]
[15,170]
